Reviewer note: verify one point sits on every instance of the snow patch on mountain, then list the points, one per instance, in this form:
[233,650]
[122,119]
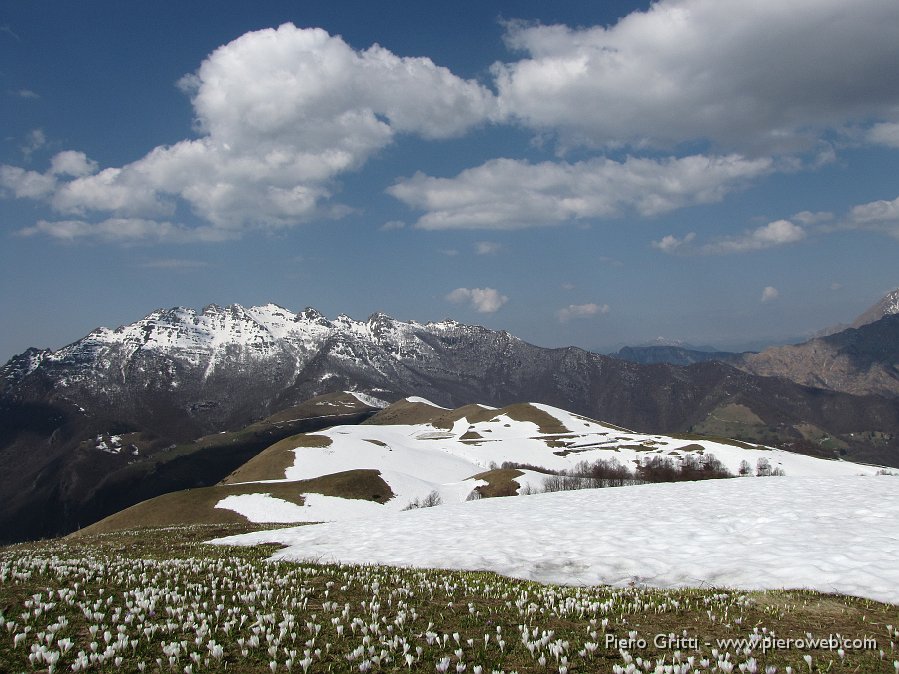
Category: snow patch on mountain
[416,460]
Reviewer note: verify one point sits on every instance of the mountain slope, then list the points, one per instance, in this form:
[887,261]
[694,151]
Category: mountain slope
[57,480]
[414,452]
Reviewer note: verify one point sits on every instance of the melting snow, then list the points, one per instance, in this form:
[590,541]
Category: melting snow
[415,460]
[827,534]
[369,400]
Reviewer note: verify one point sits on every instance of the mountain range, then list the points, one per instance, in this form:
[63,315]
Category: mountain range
[129,413]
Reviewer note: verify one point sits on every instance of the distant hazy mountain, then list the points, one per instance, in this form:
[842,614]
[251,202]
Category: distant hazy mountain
[178,374]
[674,355]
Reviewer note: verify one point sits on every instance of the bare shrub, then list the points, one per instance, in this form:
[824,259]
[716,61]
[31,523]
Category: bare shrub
[429,501]
[605,472]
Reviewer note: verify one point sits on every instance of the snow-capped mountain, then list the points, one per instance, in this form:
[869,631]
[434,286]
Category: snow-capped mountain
[179,374]
[887,306]
[221,368]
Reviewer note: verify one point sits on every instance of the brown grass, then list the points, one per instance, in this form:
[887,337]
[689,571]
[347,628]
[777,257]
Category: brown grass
[693,447]
[547,423]
[197,506]
[715,438]
[501,482]
[272,463]
[405,412]
[474,413]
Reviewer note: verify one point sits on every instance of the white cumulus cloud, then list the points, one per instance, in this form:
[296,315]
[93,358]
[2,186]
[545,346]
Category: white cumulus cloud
[881,211]
[763,76]
[24,184]
[482,300]
[72,163]
[670,243]
[777,233]
[282,113]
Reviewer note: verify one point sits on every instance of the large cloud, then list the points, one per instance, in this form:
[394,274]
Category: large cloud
[513,194]
[764,76]
[281,113]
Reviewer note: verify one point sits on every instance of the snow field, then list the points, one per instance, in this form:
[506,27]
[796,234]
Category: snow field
[827,534]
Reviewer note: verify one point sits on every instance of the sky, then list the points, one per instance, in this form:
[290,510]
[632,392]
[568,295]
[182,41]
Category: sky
[577,173]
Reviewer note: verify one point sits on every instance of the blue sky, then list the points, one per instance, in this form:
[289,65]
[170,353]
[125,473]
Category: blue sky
[583,173]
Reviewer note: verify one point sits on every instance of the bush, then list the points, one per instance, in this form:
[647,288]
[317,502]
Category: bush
[429,501]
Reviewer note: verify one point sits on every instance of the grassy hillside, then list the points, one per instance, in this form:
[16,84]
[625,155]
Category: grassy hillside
[197,506]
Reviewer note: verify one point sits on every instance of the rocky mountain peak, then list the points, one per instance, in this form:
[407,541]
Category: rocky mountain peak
[887,306]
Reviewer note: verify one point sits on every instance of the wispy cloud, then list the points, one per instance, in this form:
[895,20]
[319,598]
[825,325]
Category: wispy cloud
[769,294]
[123,230]
[776,233]
[486,247]
[573,311]
[6,30]
[174,263]
[516,194]
[34,142]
